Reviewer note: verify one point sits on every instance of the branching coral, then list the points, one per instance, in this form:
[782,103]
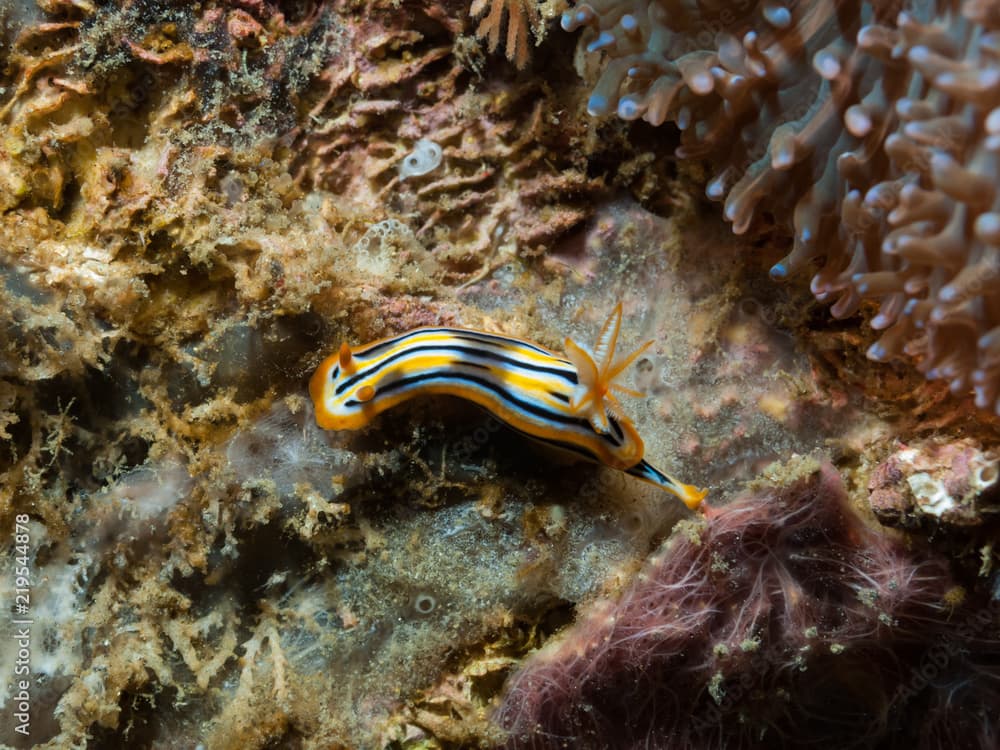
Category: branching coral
[873,130]
[522,16]
[783,618]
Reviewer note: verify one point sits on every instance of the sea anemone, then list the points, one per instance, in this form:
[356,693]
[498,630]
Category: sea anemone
[874,130]
[781,619]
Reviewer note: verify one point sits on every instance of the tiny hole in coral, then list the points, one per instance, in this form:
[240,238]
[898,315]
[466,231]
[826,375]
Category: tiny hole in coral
[988,474]
[749,307]
[424,604]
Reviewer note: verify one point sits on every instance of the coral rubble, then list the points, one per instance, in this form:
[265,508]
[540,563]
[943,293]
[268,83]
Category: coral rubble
[946,490]
[873,131]
[954,483]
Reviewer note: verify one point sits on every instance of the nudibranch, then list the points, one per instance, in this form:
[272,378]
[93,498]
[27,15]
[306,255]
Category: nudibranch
[568,402]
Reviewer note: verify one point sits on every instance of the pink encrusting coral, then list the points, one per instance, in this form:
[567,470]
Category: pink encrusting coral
[781,620]
[872,130]
[940,484]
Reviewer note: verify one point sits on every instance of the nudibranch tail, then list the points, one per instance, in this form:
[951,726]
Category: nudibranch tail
[688,494]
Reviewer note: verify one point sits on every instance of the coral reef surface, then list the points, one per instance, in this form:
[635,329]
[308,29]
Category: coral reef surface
[953,483]
[200,201]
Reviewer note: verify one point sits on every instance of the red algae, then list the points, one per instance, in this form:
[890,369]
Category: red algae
[779,620]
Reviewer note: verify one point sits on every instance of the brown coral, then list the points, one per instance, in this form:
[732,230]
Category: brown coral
[522,15]
[493,136]
[873,133]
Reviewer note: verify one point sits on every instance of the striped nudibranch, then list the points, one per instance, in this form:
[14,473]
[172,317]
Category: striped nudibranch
[565,402]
